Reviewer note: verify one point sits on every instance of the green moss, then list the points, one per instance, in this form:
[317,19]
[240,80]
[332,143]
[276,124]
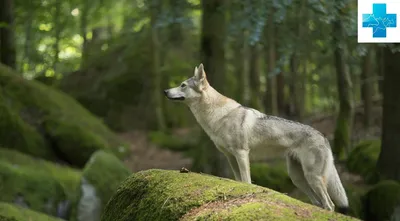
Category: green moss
[272,176]
[363,158]
[14,132]
[381,201]
[105,173]
[170,195]
[45,121]
[66,176]
[10,212]
[39,190]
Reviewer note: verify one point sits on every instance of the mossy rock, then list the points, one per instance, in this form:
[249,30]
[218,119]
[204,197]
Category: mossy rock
[43,122]
[100,179]
[381,201]
[171,195]
[363,158]
[272,176]
[355,194]
[68,177]
[12,212]
[30,187]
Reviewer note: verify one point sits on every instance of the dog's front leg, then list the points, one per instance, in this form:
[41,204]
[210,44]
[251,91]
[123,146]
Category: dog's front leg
[242,158]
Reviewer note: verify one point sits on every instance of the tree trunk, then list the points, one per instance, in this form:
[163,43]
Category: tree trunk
[344,120]
[57,28]
[272,103]
[255,71]
[292,107]
[367,86]
[245,69]
[83,27]
[28,43]
[155,48]
[213,57]
[381,68]
[388,162]
[8,54]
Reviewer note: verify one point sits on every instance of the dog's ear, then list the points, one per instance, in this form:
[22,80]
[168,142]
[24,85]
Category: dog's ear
[199,73]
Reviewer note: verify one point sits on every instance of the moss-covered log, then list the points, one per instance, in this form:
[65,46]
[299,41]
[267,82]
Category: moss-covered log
[171,195]
[43,122]
[11,212]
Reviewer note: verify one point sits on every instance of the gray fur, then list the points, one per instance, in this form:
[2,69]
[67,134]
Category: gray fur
[235,130]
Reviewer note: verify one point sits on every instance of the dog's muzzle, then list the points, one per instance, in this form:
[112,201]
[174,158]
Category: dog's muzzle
[173,98]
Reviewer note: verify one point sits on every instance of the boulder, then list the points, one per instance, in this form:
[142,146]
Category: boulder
[67,177]
[382,201]
[41,121]
[31,188]
[100,179]
[174,195]
[11,212]
[363,158]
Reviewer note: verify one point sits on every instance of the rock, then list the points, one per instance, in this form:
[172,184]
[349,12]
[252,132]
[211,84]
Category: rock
[272,176]
[30,188]
[68,177]
[39,120]
[363,158]
[100,179]
[10,212]
[381,201]
[171,195]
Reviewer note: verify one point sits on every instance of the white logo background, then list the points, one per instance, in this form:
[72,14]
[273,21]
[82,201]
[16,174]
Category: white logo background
[365,33]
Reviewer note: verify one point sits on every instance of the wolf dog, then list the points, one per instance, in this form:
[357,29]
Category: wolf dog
[236,129]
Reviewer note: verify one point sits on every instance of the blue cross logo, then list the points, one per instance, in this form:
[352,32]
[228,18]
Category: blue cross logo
[379,20]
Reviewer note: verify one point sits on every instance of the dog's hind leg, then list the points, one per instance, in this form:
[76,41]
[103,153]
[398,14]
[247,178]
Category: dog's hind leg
[234,165]
[297,176]
[242,158]
[314,163]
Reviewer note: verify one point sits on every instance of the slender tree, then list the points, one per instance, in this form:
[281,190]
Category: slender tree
[271,102]
[7,39]
[344,120]
[367,85]
[155,49]
[388,162]
[213,57]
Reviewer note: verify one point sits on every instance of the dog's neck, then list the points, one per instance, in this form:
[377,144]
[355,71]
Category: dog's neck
[211,108]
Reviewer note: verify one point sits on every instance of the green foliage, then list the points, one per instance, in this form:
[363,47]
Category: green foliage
[47,123]
[66,176]
[10,212]
[170,195]
[381,200]
[363,158]
[271,176]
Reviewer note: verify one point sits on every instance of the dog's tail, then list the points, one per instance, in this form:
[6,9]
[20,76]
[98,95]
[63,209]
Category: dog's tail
[336,191]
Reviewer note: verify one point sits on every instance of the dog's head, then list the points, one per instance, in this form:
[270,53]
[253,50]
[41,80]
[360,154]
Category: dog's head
[190,89]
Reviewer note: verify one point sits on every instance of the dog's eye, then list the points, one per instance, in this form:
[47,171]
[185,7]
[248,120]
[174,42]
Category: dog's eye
[183,85]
